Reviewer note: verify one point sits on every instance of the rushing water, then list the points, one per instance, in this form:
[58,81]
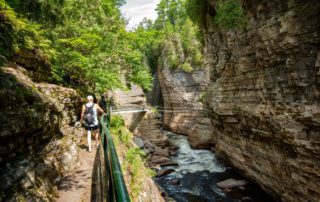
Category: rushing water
[197,174]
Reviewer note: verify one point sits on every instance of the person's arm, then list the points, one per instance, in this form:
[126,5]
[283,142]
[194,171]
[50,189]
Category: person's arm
[99,109]
[82,113]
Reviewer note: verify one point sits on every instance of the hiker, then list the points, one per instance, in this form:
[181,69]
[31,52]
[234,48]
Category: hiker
[89,115]
[103,103]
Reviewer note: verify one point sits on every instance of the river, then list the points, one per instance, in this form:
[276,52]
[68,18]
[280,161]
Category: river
[195,179]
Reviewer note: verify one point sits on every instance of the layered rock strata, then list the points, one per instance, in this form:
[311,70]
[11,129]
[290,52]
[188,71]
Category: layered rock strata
[183,110]
[146,126]
[264,95]
[128,100]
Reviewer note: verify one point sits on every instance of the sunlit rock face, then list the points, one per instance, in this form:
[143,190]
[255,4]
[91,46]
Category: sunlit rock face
[264,96]
[147,126]
[183,111]
[131,99]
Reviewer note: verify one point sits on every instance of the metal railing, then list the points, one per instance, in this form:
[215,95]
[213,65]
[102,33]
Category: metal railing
[114,187]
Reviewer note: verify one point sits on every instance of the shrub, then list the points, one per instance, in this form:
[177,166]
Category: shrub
[203,97]
[229,14]
[116,122]
[186,67]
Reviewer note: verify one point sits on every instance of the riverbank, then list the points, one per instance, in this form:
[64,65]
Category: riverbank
[199,176]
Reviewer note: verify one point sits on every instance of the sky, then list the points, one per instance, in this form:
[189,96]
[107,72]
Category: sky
[136,10]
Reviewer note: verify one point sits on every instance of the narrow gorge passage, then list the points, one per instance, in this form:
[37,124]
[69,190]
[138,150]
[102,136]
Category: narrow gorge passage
[214,100]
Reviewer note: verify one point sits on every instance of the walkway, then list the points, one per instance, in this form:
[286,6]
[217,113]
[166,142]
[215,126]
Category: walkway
[76,185]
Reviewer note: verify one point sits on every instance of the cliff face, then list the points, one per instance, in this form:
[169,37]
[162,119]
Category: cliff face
[146,128]
[264,95]
[183,111]
[38,140]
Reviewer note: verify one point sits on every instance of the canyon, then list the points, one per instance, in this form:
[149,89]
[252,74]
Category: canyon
[261,90]
[254,105]
[256,102]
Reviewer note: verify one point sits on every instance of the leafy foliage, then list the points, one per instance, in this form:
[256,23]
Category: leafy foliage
[17,33]
[196,10]
[116,122]
[174,38]
[45,11]
[133,164]
[86,41]
[230,14]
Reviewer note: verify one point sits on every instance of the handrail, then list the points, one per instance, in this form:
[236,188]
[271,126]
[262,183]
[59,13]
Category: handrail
[116,189]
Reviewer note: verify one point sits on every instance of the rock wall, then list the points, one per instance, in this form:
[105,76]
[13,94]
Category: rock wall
[128,100]
[183,110]
[146,128]
[37,135]
[264,95]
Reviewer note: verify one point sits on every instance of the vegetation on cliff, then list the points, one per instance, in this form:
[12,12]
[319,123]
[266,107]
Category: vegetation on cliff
[89,49]
[133,165]
[17,34]
[227,14]
[85,41]
[173,38]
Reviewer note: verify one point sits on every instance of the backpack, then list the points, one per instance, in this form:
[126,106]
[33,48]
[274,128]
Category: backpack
[89,116]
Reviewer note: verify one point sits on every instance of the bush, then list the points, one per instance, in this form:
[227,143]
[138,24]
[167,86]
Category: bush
[117,122]
[135,166]
[203,96]
[229,14]
[17,33]
[196,10]
[187,67]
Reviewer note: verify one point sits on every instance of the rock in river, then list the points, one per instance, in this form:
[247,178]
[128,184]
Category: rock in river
[231,183]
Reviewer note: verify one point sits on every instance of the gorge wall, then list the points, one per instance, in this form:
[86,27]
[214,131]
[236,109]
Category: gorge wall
[183,110]
[263,94]
[37,132]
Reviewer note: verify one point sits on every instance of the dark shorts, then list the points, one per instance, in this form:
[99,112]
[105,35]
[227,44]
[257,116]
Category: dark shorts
[92,127]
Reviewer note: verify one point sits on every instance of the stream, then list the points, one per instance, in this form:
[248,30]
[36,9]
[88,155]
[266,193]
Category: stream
[195,179]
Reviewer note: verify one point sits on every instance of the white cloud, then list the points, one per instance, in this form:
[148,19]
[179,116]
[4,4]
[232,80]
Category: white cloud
[136,10]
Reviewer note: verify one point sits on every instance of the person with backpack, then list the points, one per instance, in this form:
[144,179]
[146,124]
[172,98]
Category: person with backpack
[89,116]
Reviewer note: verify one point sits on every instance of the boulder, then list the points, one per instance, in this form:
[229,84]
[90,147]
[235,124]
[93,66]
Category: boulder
[159,160]
[175,182]
[231,183]
[162,152]
[165,172]
[138,141]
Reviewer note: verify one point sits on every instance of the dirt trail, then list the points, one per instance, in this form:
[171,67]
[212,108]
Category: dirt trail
[76,185]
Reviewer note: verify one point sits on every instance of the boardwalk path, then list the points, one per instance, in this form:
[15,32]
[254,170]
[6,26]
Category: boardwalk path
[76,185]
